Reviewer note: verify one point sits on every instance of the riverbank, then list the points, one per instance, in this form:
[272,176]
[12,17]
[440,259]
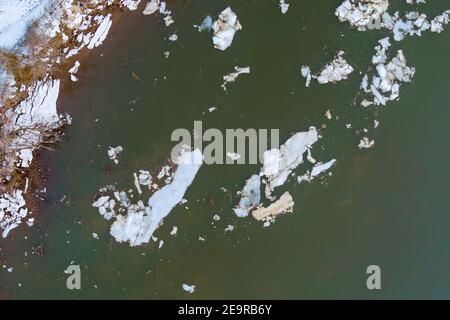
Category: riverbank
[34,69]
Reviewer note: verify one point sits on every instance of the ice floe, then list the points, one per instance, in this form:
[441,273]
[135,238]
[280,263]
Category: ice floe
[279,163]
[224,29]
[135,223]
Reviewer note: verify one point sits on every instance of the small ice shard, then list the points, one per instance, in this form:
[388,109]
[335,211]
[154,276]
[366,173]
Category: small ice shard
[216,217]
[188,288]
[206,24]
[306,73]
[233,156]
[250,196]
[174,231]
[73,78]
[161,243]
[283,205]
[151,7]
[232,76]
[328,114]
[94,235]
[114,152]
[283,6]
[229,228]
[365,143]
[279,163]
[211,109]
[337,70]
[224,29]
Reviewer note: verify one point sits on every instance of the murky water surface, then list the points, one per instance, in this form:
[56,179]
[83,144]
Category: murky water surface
[387,206]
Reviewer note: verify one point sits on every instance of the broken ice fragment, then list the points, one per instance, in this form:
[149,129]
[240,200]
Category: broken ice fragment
[114,152]
[188,288]
[365,143]
[279,163]
[224,29]
[250,196]
[283,6]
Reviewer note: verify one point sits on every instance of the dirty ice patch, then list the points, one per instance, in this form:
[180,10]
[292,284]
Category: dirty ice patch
[283,205]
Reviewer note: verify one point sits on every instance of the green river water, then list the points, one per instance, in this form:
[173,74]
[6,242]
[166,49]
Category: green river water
[386,206]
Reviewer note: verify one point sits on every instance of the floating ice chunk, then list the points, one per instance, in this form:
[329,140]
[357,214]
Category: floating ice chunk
[101,32]
[174,231]
[138,225]
[328,114]
[279,163]
[283,6]
[211,109]
[173,37]
[336,70]
[306,73]
[362,14]
[75,67]
[231,77]
[365,143]
[319,168]
[100,201]
[151,7]
[250,196]
[216,217]
[283,205]
[73,78]
[94,235]
[229,228]
[131,4]
[114,152]
[188,288]
[224,29]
